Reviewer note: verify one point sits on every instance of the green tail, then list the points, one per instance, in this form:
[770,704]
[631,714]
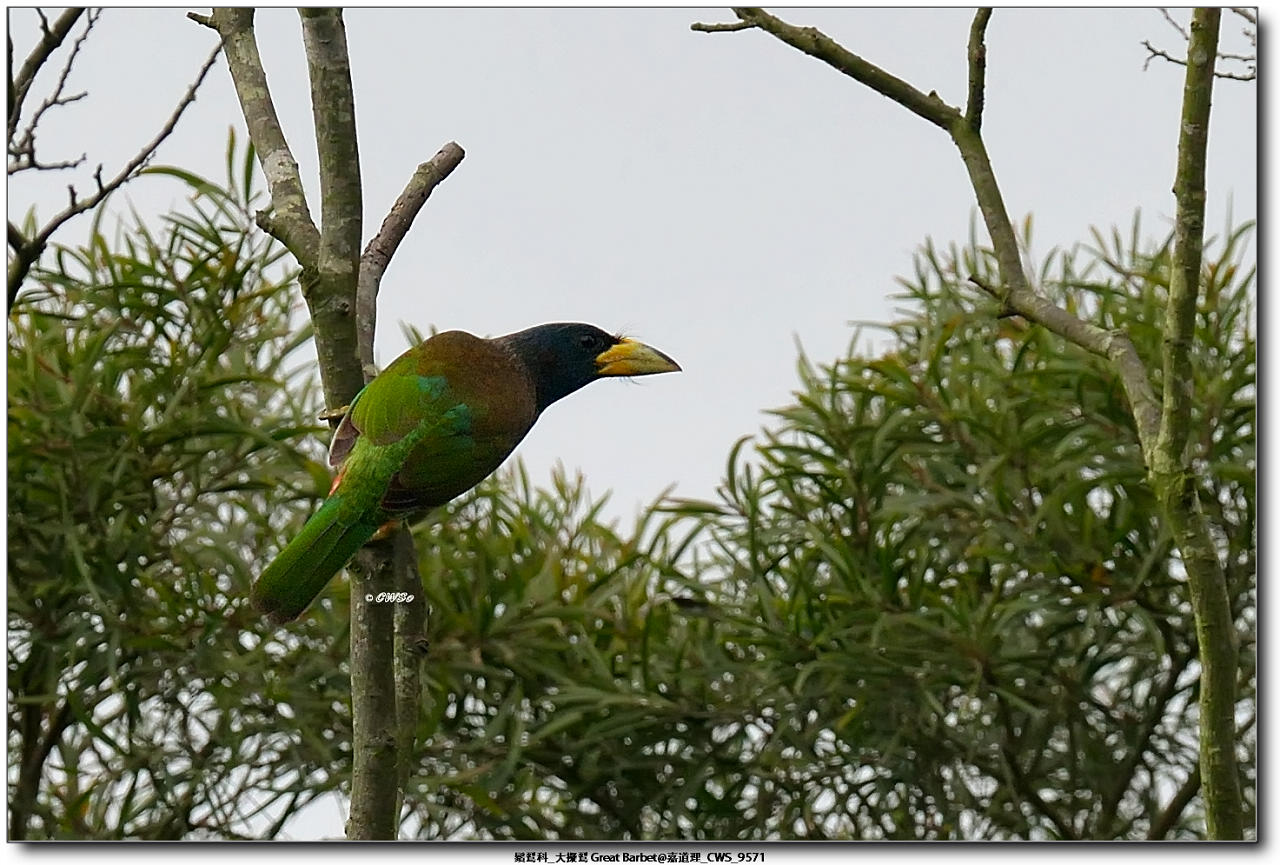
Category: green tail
[304,567]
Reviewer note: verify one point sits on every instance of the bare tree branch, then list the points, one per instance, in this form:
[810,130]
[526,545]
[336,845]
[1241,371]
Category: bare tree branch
[1154,53]
[1016,294]
[730,27]
[34,164]
[1250,61]
[375,736]
[817,44]
[977,68]
[22,146]
[29,250]
[1114,345]
[289,221]
[410,649]
[51,39]
[377,253]
[1174,24]
[333,110]
[1227,55]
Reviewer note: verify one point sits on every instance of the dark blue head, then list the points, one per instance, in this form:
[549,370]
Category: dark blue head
[562,357]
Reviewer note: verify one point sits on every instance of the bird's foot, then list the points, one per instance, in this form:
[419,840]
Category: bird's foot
[334,413]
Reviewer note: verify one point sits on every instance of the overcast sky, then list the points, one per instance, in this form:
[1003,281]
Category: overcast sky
[720,196]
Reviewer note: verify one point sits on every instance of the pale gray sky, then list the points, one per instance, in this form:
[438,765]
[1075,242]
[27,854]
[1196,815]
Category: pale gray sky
[718,195]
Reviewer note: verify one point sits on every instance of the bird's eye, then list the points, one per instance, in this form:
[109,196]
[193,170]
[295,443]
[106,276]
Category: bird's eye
[589,341]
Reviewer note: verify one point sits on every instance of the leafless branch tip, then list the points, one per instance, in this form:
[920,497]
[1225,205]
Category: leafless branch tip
[728,27]
[30,248]
[977,68]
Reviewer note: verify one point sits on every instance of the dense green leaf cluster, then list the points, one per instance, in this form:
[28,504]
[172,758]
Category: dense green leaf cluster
[935,600]
[156,404]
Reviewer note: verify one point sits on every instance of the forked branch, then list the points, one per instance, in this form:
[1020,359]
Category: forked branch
[51,38]
[1016,294]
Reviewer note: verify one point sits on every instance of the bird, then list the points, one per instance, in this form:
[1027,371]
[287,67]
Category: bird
[438,420]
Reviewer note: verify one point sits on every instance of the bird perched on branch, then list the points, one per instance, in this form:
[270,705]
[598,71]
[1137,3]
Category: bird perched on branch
[432,425]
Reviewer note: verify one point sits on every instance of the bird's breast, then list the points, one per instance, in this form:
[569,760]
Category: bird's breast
[439,471]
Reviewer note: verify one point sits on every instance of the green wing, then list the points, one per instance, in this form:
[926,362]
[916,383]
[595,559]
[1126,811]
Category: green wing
[401,402]
[406,442]
[436,422]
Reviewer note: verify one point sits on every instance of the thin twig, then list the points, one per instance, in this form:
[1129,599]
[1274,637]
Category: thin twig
[1239,58]
[51,38]
[1249,60]
[1174,24]
[22,148]
[35,165]
[1005,311]
[1251,75]
[1153,53]
[730,27]
[30,249]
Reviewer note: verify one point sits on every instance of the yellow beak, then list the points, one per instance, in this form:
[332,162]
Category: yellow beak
[630,357]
